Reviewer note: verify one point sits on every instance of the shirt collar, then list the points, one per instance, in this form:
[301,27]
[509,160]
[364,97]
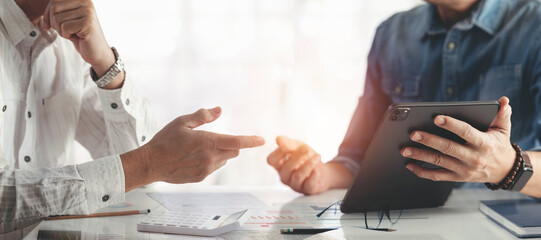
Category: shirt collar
[487,16]
[16,25]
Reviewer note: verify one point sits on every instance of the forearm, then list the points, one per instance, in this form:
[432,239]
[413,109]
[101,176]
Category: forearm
[338,175]
[533,187]
[104,65]
[136,173]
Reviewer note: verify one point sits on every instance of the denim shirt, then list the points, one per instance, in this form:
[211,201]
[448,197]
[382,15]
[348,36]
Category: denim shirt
[495,52]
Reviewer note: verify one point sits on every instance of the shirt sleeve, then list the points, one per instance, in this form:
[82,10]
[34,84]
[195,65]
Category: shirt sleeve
[28,196]
[111,122]
[114,121]
[369,110]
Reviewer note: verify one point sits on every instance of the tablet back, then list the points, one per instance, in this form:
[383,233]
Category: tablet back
[383,182]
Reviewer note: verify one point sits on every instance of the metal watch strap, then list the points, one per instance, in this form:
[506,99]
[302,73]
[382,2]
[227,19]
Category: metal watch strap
[117,68]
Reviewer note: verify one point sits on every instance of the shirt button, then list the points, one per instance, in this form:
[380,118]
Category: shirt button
[398,89]
[4,108]
[451,46]
[29,114]
[114,105]
[143,138]
[127,101]
[450,91]
[33,34]
[105,198]
[27,158]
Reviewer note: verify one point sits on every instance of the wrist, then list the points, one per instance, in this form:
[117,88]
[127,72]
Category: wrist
[505,167]
[519,174]
[137,171]
[103,65]
[114,75]
[337,175]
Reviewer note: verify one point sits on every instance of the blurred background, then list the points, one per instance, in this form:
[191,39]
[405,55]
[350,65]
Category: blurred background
[276,67]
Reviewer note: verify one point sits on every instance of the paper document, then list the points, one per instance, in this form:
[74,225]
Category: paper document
[264,217]
[180,201]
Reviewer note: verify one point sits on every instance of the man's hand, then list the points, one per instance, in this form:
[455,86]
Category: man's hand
[179,154]
[299,166]
[486,157]
[77,21]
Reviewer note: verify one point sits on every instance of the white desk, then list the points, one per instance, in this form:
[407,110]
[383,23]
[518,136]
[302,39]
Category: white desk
[459,218]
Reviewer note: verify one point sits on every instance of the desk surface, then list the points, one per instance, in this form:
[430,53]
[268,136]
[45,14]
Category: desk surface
[459,218]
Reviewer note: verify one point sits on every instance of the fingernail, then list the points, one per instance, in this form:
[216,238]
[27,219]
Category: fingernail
[216,110]
[440,120]
[409,167]
[406,152]
[417,137]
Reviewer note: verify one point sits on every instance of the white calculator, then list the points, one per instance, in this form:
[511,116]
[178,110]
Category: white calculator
[208,225]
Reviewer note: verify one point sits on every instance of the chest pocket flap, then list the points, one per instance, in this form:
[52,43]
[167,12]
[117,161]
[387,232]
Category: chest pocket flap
[401,88]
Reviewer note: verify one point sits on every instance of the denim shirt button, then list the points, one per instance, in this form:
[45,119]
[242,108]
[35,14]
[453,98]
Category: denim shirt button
[450,91]
[451,46]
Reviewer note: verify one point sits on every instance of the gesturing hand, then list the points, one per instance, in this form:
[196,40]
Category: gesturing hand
[486,157]
[179,154]
[299,166]
[77,21]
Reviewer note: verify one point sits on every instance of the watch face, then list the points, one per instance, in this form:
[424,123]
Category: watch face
[523,176]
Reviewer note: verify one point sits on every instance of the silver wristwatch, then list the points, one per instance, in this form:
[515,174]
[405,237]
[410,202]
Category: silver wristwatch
[117,68]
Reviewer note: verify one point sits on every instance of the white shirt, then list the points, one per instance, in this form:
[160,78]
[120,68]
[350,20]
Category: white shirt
[48,101]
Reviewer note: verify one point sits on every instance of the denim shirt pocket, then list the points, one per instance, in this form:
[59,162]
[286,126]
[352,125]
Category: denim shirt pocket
[504,80]
[401,88]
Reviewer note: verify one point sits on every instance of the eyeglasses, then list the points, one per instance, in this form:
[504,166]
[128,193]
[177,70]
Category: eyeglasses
[377,215]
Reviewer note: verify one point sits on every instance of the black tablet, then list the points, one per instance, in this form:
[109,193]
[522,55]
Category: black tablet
[383,182]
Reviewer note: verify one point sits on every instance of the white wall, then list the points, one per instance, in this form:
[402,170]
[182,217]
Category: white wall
[292,67]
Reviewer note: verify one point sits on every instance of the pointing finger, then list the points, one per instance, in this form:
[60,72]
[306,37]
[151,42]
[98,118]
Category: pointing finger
[238,142]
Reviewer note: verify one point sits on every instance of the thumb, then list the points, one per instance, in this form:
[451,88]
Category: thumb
[201,117]
[46,17]
[502,120]
[287,144]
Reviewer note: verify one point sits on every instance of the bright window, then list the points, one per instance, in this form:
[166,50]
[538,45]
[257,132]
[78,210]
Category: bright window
[291,67]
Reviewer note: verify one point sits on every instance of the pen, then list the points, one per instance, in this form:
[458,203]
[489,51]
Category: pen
[383,229]
[106,214]
[305,230]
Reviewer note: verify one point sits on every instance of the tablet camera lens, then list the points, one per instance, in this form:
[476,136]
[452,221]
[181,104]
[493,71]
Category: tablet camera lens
[396,111]
[393,117]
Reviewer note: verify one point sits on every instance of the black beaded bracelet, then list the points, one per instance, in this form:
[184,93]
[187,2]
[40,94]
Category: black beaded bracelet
[504,184]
